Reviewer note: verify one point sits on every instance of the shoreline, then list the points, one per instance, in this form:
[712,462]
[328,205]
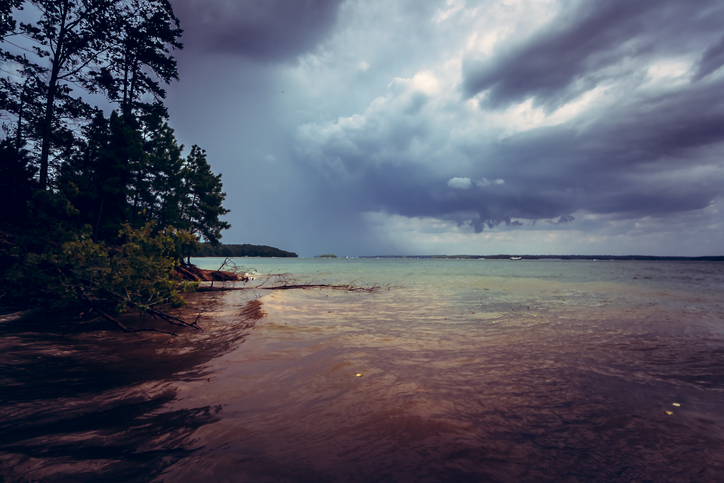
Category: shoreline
[99,400]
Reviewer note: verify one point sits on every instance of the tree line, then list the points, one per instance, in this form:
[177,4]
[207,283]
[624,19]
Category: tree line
[80,185]
[235,250]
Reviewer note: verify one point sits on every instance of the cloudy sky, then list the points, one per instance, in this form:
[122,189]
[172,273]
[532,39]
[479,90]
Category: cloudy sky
[368,127]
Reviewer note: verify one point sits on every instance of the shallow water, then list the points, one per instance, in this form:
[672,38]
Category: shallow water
[453,370]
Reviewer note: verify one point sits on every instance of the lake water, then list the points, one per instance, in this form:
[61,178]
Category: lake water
[451,370]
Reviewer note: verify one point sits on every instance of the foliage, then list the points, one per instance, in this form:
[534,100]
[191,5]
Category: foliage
[68,37]
[7,22]
[98,208]
[16,182]
[118,47]
[139,59]
[134,273]
[203,206]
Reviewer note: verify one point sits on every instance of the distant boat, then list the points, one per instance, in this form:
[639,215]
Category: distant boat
[516,258]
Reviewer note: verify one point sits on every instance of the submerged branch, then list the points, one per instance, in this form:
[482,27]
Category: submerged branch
[173,320]
[348,287]
[127,300]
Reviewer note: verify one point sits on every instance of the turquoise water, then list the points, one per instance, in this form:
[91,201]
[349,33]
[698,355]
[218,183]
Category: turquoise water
[449,370]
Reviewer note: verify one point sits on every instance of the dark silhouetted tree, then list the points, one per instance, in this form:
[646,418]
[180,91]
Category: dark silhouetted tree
[70,37]
[95,208]
[16,184]
[7,22]
[164,191]
[99,179]
[202,208]
[140,59]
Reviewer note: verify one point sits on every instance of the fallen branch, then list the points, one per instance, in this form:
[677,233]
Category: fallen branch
[173,320]
[155,313]
[196,274]
[349,287]
[120,325]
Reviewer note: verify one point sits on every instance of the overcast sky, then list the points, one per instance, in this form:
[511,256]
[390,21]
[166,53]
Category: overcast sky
[369,127]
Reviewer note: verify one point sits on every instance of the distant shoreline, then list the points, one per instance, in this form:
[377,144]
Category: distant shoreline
[236,250]
[556,257]
[502,257]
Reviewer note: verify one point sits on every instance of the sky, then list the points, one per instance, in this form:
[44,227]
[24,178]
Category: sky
[417,127]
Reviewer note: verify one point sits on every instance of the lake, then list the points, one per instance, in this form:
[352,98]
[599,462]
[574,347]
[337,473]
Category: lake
[448,370]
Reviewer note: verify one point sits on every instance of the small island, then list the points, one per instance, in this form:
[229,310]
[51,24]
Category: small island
[328,255]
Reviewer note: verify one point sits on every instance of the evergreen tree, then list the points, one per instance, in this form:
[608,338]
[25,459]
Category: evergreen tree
[203,205]
[165,191]
[146,30]
[99,179]
[16,184]
[7,22]
[121,198]
[21,105]
[70,36]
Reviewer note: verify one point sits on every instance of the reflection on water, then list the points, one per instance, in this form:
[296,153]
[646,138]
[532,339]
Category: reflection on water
[90,405]
[572,373]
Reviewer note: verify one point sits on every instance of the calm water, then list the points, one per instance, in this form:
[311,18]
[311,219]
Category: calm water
[453,370]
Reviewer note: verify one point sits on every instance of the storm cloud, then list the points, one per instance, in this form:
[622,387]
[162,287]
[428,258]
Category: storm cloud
[265,30]
[592,43]
[447,126]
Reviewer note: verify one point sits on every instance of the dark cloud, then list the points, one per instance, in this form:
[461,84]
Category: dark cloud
[342,152]
[575,52]
[712,59]
[265,30]
[562,219]
[650,155]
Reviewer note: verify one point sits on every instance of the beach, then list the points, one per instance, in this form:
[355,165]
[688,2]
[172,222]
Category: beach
[450,370]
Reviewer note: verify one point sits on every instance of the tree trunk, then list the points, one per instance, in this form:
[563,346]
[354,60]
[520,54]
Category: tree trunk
[98,221]
[50,100]
[48,126]
[19,132]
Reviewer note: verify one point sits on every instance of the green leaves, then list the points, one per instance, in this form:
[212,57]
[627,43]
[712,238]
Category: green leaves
[134,273]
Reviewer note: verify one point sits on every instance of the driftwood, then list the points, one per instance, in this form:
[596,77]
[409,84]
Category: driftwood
[196,274]
[348,288]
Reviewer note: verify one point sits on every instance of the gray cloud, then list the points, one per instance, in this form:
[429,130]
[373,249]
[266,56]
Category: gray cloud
[265,30]
[579,48]
[649,154]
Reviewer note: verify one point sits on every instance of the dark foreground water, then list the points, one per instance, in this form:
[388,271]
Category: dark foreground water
[465,370]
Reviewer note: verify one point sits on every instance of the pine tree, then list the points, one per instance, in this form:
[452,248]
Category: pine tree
[140,60]
[164,174]
[72,35]
[7,22]
[203,205]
